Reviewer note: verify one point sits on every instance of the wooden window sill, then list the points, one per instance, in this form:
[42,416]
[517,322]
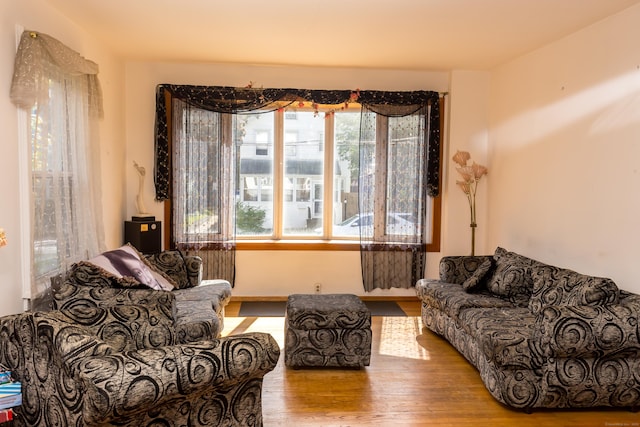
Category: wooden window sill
[297,245]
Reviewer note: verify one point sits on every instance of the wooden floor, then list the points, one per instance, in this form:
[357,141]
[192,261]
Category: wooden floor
[415,379]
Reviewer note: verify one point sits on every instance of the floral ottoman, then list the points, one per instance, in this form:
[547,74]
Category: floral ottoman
[327,330]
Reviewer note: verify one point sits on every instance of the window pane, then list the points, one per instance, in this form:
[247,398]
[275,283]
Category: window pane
[46,165]
[345,174]
[304,171]
[47,257]
[198,176]
[403,177]
[255,139]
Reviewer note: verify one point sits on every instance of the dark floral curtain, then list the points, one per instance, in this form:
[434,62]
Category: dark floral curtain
[399,170]
[203,187]
[175,105]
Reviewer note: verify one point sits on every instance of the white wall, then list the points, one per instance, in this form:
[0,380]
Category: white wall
[565,152]
[262,273]
[38,15]
[468,115]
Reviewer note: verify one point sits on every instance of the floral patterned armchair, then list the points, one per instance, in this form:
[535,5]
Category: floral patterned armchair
[128,366]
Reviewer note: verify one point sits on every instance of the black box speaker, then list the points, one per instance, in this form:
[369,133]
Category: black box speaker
[145,236]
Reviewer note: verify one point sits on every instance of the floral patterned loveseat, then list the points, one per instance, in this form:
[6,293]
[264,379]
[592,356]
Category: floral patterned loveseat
[191,299]
[127,365]
[540,336]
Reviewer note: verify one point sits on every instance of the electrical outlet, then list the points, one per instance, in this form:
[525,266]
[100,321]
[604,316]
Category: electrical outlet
[318,288]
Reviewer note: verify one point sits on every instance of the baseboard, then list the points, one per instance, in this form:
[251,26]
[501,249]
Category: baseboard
[398,298]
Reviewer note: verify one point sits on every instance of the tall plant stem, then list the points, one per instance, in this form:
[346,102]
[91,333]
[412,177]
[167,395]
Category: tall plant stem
[472,205]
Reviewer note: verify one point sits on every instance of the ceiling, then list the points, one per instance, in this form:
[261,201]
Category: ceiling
[432,35]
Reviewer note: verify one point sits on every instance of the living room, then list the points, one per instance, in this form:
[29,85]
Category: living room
[556,126]
[560,210]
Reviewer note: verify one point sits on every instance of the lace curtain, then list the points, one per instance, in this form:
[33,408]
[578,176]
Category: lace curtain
[399,176]
[203,188]
[192,178]
[413,119]
[60,92]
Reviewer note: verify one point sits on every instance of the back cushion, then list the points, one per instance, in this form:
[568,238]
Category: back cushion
[560,286]
[173,265]
[512,279]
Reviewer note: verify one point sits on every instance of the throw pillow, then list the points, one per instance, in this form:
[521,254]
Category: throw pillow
[457,269]
[474,281]
[512,277]
[126,262]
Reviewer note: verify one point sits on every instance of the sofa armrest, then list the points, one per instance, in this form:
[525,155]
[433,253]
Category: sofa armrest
[588,331]
[119,385]
[198,329]
[457,269]
[423,286]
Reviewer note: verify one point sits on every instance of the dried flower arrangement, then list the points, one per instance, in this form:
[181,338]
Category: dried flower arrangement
[471,175]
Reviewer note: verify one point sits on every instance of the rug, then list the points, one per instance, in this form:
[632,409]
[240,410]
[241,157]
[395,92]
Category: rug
[278,308]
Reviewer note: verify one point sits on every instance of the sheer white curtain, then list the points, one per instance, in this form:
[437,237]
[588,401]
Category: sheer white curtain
[61,94]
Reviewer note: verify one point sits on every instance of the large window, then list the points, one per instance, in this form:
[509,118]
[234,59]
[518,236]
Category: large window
[296,176]
[305,169]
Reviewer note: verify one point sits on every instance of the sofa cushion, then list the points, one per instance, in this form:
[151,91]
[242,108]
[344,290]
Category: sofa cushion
[504,335]
[450,298]
[561,286]
[511,278]
[475,281]
[217,292]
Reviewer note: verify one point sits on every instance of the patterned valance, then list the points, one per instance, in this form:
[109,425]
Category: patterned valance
[234,100]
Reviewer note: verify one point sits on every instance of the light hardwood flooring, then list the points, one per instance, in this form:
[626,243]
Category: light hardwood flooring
[415,379]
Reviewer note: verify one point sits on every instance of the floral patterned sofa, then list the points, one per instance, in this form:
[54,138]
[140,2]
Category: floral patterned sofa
[540,336]
[127,365]
[191,299]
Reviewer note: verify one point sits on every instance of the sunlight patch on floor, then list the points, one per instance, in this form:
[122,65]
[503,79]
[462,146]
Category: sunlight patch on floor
[393,330]
[270,325]
[397,334]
